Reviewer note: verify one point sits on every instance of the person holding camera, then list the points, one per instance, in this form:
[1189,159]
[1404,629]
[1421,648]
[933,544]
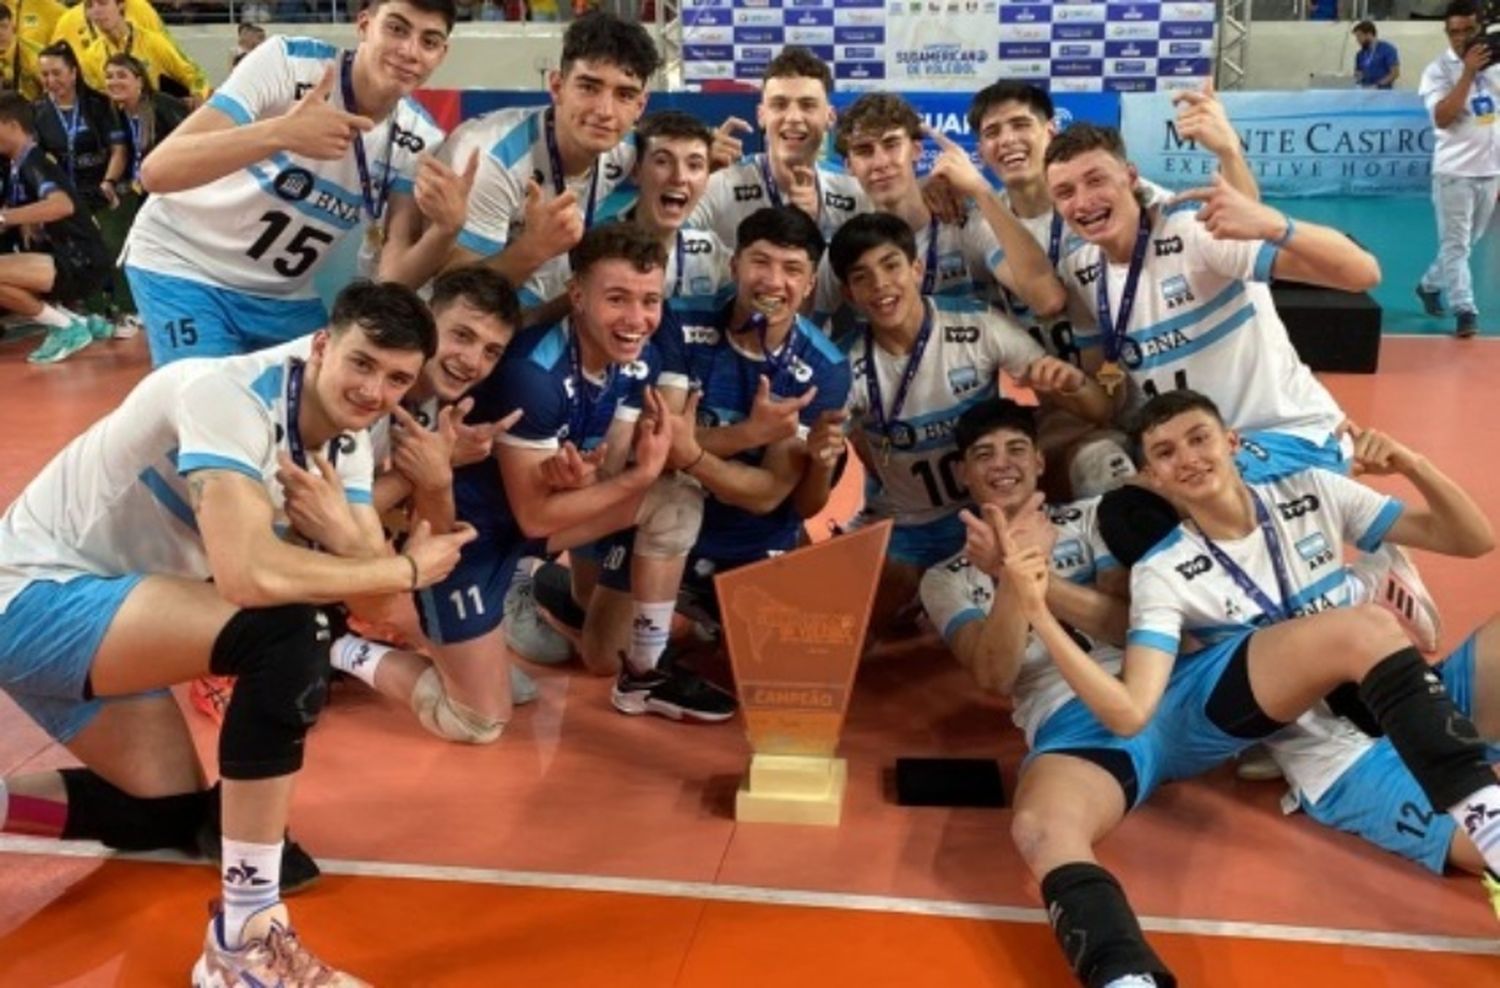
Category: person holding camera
[1461,89]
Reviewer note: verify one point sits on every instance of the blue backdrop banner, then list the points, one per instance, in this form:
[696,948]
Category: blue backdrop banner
[1316,143]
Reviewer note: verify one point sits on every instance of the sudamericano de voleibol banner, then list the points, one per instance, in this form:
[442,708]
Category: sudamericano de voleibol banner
[1315,143]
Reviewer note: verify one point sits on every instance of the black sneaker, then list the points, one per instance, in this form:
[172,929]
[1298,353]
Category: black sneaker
[1432,301]
[1468,325]
[671,691]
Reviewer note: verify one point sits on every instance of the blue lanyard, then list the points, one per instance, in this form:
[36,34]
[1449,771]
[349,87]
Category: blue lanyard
[779,361]
[1115,331]
[584,401]
[872,376]
[374,204]
[559,178]
[293,425]
[929,276]
[678,255]
[139,152]
[1242,579]
[1054,239]
[71,126]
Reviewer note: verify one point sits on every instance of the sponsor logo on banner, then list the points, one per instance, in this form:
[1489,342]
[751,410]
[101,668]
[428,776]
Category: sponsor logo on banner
[1077,49]
[1077,85]
[1130,66]
[852,53]
[1131,31]
[1297,143]
[757,18]
[858,18]
[1077,13]
[697,35]
[1025,32]
[1187,12]
[708,70]
[809,36]
[1188,49]
[1024,70]
[1150,12]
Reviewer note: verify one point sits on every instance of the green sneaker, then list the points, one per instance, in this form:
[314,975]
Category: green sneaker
[61,344]
[1492,888]
[100,328]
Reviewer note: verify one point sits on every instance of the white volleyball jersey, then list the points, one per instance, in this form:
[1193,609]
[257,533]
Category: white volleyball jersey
[955,593]
[266,228]
[737,191]
[513,150]
[1179,587]
[1200,321]
[914,476]
[116,500]
[963,256]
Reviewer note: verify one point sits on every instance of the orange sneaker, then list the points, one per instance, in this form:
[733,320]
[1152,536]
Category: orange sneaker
[210,696]
[270,957]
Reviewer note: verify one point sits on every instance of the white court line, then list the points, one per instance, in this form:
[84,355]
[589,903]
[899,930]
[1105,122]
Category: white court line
[707,891]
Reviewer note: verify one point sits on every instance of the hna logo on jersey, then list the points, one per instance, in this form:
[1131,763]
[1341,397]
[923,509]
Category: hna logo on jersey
[636,370]
[1297,507]
[700,335]
[1314,549]
[963,380]
[747,193]
[294,184]
[1195,567]
[1176,291]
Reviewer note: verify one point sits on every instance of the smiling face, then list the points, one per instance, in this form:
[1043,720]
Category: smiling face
[596,103]
[795,114]
[122,85]
[59,79]
[1095,193]
[1190,457]
[1001,468]
[773,280]
[1013,141]
[884,164]
[471,342]
[401,46]
[358,382]
[885,286]
[672,174]
[617,308]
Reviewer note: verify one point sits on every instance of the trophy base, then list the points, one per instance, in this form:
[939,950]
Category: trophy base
[793,789]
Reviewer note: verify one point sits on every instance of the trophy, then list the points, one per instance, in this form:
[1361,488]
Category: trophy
[795,628]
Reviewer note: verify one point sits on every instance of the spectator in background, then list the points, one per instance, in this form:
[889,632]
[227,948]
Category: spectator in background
[1377,64]
[1322,10]
[73,24]
[249,36]
[115,35]
[1461,89]
[35,19]
[19,70]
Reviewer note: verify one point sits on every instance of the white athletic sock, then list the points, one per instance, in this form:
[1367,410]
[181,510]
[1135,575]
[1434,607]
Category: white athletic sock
[1479,816]
[51,316]
[358,657]
[251,876]
[648,634]
[1133,981]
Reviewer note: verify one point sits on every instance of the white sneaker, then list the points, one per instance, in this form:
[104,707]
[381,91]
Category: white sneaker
[1255,764]
[526,632]
[1389,578]
[128,327]
[271,955]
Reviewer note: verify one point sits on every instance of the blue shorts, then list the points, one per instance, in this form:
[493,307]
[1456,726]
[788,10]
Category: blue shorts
[1378,799]
[471,601]
[49,636]
[924,545]
[1265,455]
[1180,742]
[186,318]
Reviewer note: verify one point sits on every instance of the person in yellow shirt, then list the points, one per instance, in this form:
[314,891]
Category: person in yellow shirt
[35,19]
[18,58]
[73,24]
[116,34]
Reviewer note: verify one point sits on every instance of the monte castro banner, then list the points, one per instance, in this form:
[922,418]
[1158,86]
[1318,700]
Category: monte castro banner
[1317,143]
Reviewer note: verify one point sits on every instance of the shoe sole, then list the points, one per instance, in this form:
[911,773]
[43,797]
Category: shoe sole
[638,704]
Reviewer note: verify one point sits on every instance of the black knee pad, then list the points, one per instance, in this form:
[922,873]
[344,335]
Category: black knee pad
[1438,744]
[1232,706]
[1132,520]
[280,658]
[99,811]
[1098,931]
[553,585]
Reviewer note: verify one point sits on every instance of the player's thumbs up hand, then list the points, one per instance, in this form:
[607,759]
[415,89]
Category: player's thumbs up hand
[315,128]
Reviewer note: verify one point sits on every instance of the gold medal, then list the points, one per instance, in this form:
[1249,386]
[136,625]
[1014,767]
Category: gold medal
[885,450]
[375,236]
[1110,376]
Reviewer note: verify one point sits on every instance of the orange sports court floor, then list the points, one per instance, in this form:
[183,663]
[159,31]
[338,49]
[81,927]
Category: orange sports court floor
[587,848]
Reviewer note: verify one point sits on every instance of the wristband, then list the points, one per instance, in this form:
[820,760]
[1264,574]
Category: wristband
[413,564]
[1291,228]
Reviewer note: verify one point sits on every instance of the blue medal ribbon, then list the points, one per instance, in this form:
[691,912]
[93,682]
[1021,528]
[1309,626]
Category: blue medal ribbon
[1054,239]
[374,203]
[872,376]
[773,191]
[1275,612]
[293,426]
[1114,331]
[71,125]
[678,254]
[559,177]
[586,396]
[929,275]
